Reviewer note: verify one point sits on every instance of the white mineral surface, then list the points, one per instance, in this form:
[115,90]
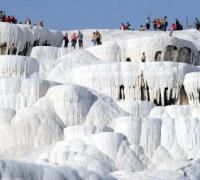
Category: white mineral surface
[88,114]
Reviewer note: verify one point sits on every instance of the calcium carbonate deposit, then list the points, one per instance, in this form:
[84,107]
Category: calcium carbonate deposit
[99,113]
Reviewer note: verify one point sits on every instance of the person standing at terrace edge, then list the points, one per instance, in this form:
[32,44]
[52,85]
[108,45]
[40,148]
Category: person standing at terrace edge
[66,40]
[80,39]
[98,38]
[143,59]
[165,23]
[178,25]
[197,23]
[148,23]
[74,40]
[155,24]
[94,38]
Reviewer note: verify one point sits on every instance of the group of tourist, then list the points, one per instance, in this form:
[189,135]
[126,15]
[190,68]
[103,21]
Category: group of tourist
[13,20]
[78,37]
[159,24]
[126,26]
[74,38]
[96,38]
[177,25]
[7,18]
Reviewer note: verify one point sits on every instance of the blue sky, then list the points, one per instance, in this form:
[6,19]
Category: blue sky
[83,14]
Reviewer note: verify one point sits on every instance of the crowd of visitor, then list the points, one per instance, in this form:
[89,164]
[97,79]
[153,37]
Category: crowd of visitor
[159,24]
[7,18]
[156,24]
[13,20]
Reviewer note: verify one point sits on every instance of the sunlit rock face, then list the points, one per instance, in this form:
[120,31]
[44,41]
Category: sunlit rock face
[99,112]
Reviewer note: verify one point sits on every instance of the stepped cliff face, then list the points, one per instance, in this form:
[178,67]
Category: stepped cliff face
[99,112]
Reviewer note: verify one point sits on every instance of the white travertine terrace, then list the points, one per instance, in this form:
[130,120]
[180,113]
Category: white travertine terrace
[18,66]
[88,114]
[139,80]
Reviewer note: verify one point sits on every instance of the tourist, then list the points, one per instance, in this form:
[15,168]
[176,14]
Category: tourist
[98,38]
[66,40]
[162,23]
[197,23]
[128,26]
[122,27]
[148,23]
[74,40]
[155,24]
[158,24]
[165,23]
[7,19]
[80,39]
[13,20]
[2,16]
[143,59]
[141,28]
[173,27]
[178,25]
[94,38]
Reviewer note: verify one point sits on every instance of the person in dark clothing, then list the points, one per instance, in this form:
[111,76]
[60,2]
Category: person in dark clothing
[197,23]
[128,26]
[66,40]
[12,50]
[80,40]
[178,25]
[165,23]
[98,38]
[13,20]
[148,23]
[143,59]
[1,16]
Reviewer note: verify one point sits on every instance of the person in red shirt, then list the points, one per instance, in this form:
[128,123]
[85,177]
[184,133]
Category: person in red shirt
[8,19]
[158,23]
[173,27]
